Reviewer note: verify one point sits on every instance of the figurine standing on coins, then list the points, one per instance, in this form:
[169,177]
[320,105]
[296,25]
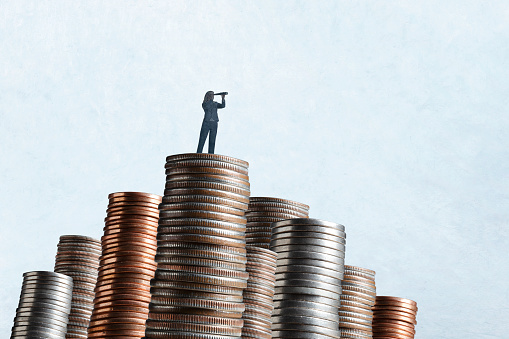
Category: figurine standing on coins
[210,120]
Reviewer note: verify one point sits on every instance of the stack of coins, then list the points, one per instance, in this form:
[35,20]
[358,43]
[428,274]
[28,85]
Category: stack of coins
[310,267]
[44,306]
[126,267]
[78,257]
[261,266]
[394,317]
[201,252]
[357,300]
[263,211]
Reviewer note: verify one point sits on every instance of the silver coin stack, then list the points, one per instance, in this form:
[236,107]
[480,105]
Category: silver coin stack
[357,301]
[44,306]
[201,250]
[263,211]
[261,266]
[310,267]
[78,257]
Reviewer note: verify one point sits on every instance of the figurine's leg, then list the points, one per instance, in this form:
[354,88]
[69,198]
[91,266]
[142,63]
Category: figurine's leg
[212,137]
[203,135]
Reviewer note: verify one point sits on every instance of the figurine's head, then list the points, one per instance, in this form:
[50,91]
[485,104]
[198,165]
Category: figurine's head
[209,96]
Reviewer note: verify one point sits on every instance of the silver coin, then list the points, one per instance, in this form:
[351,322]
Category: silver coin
[42,313]
[305,312]
[312,318]
[49,281]
[283,304]
[48,274]
[283,334]
[305,327]
[309,291]
[307,297]
[355,315]
[42,323]
[307,241]
[312,262]
[309,269]
[234,234]
[311,255]
[308,283]
[309,248]
[64,299]
[372,289]
[310,221]
[308,228]
[307,276]
[57,290]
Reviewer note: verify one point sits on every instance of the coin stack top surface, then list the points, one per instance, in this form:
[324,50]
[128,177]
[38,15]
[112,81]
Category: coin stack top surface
[44,306]
[357,300]
[201,251]
[394,317]
[261,266]
[263,211]
[127,265]
[78,257]
[310,267]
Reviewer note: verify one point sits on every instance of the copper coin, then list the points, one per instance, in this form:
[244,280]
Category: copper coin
[102,312]
[134,194]
[122,297]
[395,316]
[130,249]
[125,237]
[123,291]
[130,203]
[127,259]
[134,200]
[394,308]
[124,269]
[124,212]
[115,286]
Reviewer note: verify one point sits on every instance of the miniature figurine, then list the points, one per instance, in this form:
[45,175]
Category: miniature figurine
[210,120]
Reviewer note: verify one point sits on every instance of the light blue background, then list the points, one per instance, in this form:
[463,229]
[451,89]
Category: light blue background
[388,117]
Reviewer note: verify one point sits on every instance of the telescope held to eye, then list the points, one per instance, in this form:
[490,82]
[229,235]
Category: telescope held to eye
[221,93]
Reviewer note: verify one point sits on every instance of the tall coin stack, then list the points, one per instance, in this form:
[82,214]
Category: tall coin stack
[357,300]
[394,317]
[261,266]
[44,306]
[126,267]
[78,257]
[310,267]
[201,252]
[263,211]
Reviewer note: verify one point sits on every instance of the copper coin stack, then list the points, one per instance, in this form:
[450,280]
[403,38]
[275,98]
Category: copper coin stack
[201,251]
[261,266]
[357,300]
[310,267]
[78,257]
[394,317]
[44,306]
[263,211]
[127,265]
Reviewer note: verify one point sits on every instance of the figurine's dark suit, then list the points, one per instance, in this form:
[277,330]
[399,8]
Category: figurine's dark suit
[209,124]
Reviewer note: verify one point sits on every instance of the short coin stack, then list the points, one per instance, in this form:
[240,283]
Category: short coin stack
[261,266]
[394,317]
[78,257]
[310,267]
[263,211]
[44,306]
[201,252]
[357,300]
[127,265]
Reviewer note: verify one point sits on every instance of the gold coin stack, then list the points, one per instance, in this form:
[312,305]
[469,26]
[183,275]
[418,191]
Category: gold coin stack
[261,266]
[126,267]
[263,211]
[78,257]
[201,249]
[357,300]
[394,317]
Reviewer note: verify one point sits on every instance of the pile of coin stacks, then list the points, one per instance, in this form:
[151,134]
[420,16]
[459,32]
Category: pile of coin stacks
[357,300]
[201,251]
[394,317]
[78,257]
[263,211]
[310,267]
[261,266]
[44,306]
[126,267]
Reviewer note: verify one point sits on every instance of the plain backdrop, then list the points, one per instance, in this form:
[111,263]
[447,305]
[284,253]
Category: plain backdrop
[388,117]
